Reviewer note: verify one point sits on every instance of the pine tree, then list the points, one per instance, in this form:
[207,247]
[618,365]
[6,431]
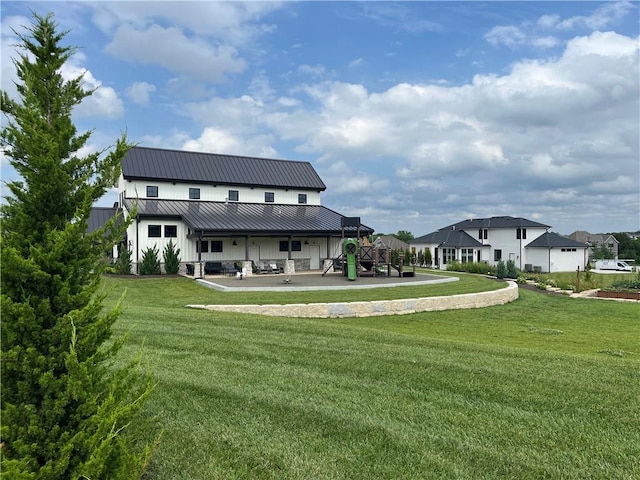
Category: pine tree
[124,262]
[150,264]
[66,410]
[171,257]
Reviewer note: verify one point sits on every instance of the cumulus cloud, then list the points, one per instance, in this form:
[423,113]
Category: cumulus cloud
[104,102]
[139,92]
[547,128]
[217,140]
[179,53]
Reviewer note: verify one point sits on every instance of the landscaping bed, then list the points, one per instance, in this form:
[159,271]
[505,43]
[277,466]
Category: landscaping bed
[618,294]
[628,289]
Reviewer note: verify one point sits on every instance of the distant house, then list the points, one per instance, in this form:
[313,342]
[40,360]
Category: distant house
[607,240]
[228,208]
[529,244]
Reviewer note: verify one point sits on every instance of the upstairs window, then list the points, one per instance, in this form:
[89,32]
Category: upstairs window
[521,233]
[194,194]
[482,234]
[170,231]
[154,231]
[269,197]
[152,191]
[233,195]
[302,198]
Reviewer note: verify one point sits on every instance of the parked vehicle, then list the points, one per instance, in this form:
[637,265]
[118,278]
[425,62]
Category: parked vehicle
[618,265]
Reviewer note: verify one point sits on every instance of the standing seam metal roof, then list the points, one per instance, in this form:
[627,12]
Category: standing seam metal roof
[193,167]
[232,217]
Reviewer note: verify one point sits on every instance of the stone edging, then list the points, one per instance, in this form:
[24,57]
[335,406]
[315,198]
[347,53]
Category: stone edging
[378,307]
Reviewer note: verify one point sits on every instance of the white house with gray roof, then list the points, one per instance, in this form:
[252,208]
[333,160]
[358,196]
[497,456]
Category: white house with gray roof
[228,208]
[529,244]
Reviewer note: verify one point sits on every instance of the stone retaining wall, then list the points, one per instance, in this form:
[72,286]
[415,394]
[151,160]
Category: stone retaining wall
[376,308]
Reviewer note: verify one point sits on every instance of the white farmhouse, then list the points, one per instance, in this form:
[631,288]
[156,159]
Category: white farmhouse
[529,244]
[228,208]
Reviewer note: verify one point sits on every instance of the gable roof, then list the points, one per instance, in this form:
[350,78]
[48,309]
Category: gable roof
[229,218]
[592,238]
[448,238]
[495,222]
[144,163]
[553,240]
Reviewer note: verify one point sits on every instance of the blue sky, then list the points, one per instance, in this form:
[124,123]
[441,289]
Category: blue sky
[415,114]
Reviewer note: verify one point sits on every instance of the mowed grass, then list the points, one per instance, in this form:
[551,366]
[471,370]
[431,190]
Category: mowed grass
[544,387]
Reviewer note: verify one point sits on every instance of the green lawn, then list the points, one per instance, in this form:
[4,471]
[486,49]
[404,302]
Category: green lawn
[544,387]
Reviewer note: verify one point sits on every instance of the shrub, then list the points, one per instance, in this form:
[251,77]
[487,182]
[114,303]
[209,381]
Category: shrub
[171,257]
[625,285]
[512,271]
[150,262]
[501,269]
[123,263]
[427,257]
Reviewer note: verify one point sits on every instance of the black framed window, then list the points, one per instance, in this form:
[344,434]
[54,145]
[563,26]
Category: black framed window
[302,198]
[269,197]
[194,194]
[154,231]
[296,245]
[152,190]
[521,233]
[216,246]
[202,246]
[233,195]
[482,233]
[170,231]
[497,255]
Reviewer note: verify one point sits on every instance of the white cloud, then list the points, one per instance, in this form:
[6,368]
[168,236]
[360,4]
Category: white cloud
[220,141]
[139,92]
[601,17]
[104,102]
[509,35]
[172,49]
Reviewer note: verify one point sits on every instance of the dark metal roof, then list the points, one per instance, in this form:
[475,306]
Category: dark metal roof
[449,239]
[99,217]
[247,218]
[143,163]
[494,222]
[553,240]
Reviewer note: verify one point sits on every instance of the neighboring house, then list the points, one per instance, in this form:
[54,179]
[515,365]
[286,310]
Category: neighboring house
[228,208]
[607,240]
[529,244]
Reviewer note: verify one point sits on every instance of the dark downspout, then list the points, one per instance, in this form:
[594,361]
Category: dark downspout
[137,245]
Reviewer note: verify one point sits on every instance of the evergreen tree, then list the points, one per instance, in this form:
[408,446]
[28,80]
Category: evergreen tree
[150,261]
[171,257]
[124,263]
[512,271]
[427,257]
[66,411]
[501,269]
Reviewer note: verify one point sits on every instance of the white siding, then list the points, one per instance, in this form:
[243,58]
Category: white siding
[211,193]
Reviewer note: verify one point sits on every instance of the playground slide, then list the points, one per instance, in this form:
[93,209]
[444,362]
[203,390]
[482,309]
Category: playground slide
[351,267]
